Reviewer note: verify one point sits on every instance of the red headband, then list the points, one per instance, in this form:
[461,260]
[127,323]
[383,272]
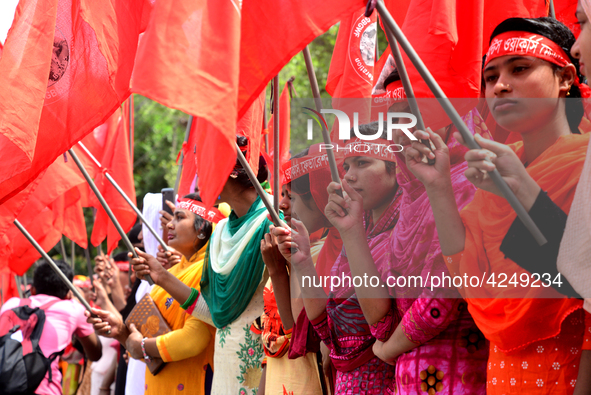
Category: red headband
[395,91]
[530,44]
[295,168]
[122,265]
[378,149]
[526,44]
[196,207]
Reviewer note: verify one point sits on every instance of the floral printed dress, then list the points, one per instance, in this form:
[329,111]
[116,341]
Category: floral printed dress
[239,353]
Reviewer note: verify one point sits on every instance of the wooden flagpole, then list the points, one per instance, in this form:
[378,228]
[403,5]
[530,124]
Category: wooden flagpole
[257,186]
[53,265]
[106,207]
[276,161]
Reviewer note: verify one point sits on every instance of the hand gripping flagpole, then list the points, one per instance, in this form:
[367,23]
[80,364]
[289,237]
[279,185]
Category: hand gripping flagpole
[276,162]
[106,207]
[332,163]
[410,94]
[457,120]
[127,199]
[51,263]
[182,158]
[257,186]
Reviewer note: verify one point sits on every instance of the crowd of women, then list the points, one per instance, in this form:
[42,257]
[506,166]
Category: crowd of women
[237,306]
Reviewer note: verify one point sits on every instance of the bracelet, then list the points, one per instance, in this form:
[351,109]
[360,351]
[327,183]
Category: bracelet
[146,356]
[192,298]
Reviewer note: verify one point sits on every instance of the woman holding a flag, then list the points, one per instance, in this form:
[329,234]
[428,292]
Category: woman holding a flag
[188,348]
[231,295]
[537,338]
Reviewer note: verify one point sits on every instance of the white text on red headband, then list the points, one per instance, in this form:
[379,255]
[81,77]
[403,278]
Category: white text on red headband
[526,44]
[196,207]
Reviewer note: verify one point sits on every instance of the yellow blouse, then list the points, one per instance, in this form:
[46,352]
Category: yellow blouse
[188,348]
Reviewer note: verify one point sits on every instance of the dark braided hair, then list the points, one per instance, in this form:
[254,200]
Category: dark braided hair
[561,35]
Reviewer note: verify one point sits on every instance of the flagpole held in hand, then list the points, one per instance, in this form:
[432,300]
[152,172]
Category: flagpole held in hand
[410,94]
[104,204]
[51,263]
[332,163]
[276,158]
[180,170]
[457,120]
[127,199]
[257,186]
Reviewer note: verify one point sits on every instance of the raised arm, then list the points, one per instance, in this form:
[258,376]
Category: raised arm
[437,181]
[298,242]
[276,265]
[346,214]
[146,264]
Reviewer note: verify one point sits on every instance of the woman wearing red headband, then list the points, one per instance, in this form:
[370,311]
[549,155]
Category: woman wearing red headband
[535,336]
[188,348]
[340,321]
[234,277]
[291,364]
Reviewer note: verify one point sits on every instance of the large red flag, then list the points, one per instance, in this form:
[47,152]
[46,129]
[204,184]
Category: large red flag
[109,144]
[212,59]
[53,208]
[274,31]
[67,65]
[202,146]
[351,74]
[353,59]
[188,60]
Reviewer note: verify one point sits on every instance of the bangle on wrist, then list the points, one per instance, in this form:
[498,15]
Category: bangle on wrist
[191,299]
[146,356]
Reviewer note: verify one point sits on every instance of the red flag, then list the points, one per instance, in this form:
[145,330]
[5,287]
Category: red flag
[274,31]
[350,77]
[8,287]
[452,47]
[53,208]
[284,135]
[208,156]
[353,59]
[87,48]
[249,127]
[109,144]
[212,59]
[188,60]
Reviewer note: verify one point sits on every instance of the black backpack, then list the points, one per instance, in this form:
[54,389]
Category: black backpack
[22,363]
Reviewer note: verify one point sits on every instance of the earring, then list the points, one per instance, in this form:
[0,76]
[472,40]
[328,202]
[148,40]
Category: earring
[201,236]
[568,93]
